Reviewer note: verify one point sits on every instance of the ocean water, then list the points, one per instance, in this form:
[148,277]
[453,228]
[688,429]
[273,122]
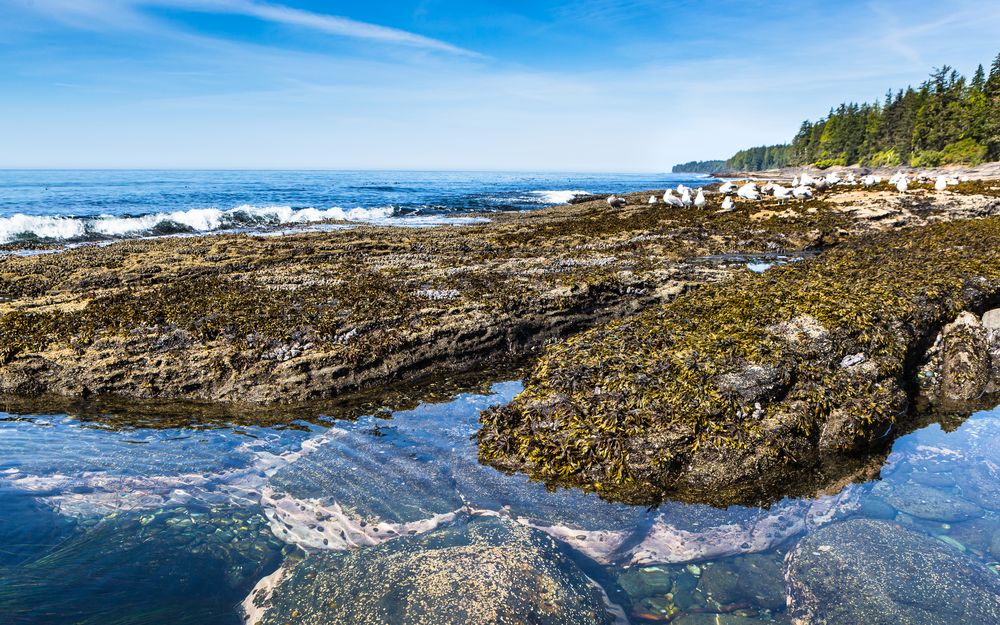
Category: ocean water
[177,525]
[80,206]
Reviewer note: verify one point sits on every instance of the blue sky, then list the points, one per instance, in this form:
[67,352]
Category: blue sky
[584,85]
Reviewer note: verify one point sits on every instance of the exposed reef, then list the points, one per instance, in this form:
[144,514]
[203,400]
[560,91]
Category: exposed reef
[723,390]
[305,317]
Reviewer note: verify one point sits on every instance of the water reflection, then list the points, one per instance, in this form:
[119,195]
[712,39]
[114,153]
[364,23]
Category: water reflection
[178,524]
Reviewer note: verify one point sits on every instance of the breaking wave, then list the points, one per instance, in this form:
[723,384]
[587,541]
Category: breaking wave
[556,197]
[20,227]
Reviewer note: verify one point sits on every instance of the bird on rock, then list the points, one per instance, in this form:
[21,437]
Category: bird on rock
[749,192]
[671,200]
[616,202]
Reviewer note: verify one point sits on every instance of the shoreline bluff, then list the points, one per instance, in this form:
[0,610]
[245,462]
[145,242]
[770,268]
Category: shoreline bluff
[298,318]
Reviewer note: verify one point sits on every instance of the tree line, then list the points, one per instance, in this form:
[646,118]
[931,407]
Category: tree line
[699,167]
[947,119]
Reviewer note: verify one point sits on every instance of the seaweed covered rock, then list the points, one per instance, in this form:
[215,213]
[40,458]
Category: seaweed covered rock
[484,571]
[728,389]
[964,362]
[310,316]
[865,572]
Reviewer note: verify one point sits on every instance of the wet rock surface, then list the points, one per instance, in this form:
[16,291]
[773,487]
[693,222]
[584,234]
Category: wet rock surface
[484,571]
[878,573]
[963,364]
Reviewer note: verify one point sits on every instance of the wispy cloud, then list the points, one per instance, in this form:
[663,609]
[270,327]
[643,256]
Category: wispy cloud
[128,14]
[321,22]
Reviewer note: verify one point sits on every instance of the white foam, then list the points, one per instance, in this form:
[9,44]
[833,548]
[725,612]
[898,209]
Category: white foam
[198,220]
[557,197]
[42,226]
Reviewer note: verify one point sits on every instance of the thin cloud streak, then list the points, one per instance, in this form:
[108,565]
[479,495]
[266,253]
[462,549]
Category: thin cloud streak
[330,24]
[97,15]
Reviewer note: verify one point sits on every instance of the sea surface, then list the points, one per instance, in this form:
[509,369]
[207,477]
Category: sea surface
[106,522]
[74,206]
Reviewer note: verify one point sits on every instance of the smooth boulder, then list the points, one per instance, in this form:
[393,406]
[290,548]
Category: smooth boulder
[485,571]
[865,572]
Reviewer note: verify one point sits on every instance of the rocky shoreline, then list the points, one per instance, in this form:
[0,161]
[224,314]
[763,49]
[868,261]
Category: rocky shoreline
[289,320]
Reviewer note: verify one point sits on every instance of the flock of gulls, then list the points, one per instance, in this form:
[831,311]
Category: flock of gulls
[802,188]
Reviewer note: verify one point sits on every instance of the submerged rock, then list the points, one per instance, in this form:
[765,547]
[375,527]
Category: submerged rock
[600,530]
[927,503]
[864,572]
[755,579]
[982,485]
[485,571]
[690,533]
[144,568]
[354,488]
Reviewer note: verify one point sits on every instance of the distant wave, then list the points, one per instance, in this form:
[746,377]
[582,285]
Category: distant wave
[19,227]
[556,197]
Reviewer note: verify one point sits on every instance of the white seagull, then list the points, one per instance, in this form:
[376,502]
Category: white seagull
[699,201]
[670,199]
[802,192]
[749,192]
